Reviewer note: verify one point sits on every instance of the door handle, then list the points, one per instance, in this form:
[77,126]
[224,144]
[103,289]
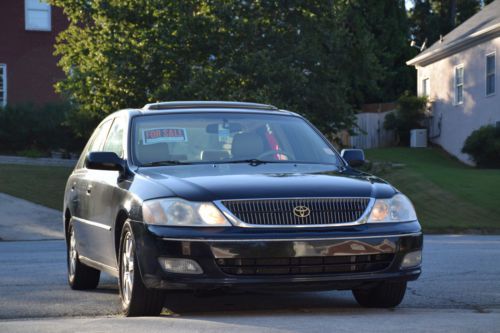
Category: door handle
[89,189]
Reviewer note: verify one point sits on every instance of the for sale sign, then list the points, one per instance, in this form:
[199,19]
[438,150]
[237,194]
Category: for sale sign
[156,135]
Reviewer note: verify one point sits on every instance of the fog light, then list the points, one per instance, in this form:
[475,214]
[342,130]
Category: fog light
[180,266]
[412,259]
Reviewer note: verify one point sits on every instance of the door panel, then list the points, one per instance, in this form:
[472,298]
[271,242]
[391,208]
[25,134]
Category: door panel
[104,197]
[103,209]
[87,232]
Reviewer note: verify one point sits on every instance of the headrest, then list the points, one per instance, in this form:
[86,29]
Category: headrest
[247,145]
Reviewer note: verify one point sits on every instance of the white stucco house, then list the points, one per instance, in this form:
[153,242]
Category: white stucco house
[460,76]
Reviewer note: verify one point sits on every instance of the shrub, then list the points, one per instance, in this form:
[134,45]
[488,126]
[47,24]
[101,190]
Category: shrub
[409,115]
[27,127]
[483,145]
[32,152]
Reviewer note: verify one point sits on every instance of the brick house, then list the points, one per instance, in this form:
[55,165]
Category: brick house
[28,67]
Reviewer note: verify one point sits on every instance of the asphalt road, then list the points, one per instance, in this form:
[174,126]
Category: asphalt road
[459,291]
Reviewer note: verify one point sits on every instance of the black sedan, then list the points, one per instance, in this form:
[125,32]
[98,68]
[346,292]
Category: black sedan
[215,195]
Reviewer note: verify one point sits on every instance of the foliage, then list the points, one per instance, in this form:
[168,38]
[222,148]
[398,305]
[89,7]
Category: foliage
[483,145]
[314,57]
[388,22]
[432,18]
[32,152]
[31,128]
[408,115]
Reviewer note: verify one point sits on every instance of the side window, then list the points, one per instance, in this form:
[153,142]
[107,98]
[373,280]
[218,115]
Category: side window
[114,142]
[490,74]
[459,84]
[3,85]
[102,133]
[95,142]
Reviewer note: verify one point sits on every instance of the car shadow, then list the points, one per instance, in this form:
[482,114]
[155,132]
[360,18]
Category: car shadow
[221,303]
[266,312]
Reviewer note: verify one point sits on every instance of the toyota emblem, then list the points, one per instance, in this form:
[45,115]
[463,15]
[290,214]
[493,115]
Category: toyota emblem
[301,211]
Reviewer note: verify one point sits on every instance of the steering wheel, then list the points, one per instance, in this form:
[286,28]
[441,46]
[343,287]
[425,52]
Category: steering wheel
[272,152]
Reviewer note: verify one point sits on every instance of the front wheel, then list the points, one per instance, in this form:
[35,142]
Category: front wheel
[384,295]
[137,300]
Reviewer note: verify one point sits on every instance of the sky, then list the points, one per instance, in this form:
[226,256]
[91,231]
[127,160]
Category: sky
[409,4]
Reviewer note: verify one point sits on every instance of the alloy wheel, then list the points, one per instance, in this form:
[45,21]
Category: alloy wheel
[72,254]
[127,268]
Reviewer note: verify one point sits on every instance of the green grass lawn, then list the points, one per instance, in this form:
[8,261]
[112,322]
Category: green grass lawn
[41,184]
[448,195]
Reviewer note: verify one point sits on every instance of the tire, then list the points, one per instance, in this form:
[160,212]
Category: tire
[384,295]
[137,300]
[80,276]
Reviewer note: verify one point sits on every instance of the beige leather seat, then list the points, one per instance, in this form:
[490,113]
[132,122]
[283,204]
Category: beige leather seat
[153,152]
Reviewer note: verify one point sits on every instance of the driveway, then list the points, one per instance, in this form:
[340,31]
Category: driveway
[24,220]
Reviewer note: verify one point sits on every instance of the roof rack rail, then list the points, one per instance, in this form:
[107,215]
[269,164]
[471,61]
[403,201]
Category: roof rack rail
[207,105]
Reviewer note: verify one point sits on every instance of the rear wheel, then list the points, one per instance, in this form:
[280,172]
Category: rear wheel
[137,300]
[384,295]
[80,276]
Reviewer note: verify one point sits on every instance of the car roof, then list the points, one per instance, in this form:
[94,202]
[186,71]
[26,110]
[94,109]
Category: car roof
[207,105]
[201,106]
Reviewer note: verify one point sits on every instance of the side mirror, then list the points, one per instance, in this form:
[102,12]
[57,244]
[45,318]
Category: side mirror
[353,157]
[101,160]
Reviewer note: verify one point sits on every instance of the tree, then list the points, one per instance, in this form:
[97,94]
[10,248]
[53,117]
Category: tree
[425,23]
[388,22]
[432,18]
[409,115]
[314,57]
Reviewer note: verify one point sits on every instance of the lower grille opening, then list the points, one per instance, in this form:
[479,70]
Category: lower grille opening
[305,265]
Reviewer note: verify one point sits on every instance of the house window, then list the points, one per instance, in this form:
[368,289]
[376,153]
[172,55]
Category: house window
[426,87]
[3,85]
[490,74]
[37,15]
[459,84]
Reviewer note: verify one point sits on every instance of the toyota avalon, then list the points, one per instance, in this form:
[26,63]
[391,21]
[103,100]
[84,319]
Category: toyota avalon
[226,195]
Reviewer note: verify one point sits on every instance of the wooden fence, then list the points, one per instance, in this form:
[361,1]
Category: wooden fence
[369,130]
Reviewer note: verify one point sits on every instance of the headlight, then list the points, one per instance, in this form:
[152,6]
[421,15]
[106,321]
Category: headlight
[178,212]
[396,209]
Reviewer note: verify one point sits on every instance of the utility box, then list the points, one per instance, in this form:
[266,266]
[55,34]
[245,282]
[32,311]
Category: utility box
[418,138]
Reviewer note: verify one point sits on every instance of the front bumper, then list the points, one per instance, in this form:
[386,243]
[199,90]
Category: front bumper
[279,259]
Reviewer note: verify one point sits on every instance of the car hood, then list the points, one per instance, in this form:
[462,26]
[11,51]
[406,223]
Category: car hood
[222,182]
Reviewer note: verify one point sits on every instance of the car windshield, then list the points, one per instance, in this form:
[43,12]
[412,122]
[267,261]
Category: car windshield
[189,138]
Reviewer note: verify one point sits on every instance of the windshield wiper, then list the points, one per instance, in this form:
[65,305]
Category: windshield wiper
[255,161]
[168,162]
[251,161]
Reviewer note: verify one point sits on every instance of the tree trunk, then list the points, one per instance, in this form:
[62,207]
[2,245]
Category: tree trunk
[453,13]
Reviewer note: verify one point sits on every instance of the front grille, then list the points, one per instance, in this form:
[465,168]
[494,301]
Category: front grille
[281,211]
[305,265]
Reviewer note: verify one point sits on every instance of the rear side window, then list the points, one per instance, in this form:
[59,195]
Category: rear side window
[100,136]
[95,142]
[114,142]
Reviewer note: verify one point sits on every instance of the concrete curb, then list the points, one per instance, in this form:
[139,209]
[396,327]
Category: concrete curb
[5,159]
